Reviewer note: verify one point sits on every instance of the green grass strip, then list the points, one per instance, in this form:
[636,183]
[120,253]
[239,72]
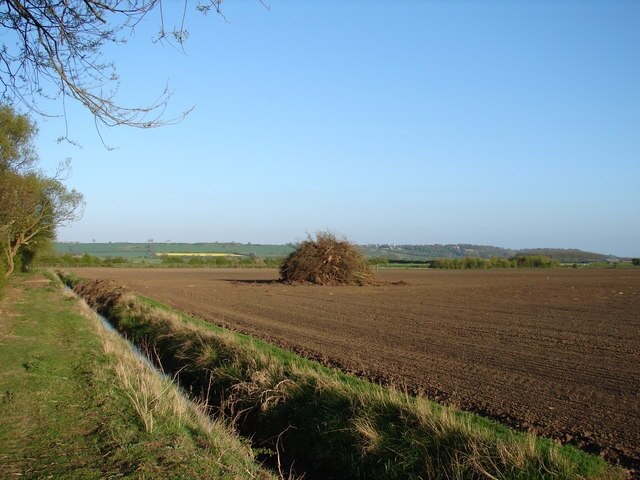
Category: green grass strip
[75,402]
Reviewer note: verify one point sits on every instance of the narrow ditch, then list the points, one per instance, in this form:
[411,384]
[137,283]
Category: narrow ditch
[200,387]
[274,460]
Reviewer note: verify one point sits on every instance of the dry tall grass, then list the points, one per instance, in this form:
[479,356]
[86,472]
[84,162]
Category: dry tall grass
[158,402]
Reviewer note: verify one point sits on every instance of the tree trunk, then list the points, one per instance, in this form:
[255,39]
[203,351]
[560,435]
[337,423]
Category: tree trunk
[10,263]
[11,250]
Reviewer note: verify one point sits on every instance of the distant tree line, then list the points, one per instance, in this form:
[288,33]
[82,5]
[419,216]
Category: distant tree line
[221,261]
[520,261]
[87,260]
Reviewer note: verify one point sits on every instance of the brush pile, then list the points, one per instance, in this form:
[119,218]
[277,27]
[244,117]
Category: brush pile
[326,261]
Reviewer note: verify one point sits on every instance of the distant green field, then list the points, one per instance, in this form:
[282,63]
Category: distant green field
[152,250]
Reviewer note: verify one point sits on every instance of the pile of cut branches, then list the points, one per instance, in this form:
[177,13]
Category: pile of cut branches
[326,261]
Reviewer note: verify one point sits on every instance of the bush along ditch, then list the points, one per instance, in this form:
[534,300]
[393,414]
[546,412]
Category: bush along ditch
[317,422]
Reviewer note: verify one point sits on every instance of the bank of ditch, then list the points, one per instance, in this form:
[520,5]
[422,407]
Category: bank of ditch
[309,420]
[76,403]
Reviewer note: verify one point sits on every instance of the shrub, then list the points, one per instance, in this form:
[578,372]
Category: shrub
[378,261]
[169,260]
[535,261]
[326,261]
[496,262]
[195,261]
[26,256]
[113,261]
[635,261]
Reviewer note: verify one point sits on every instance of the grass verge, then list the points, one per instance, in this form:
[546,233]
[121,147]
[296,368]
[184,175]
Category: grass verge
[323,423]
[76,403]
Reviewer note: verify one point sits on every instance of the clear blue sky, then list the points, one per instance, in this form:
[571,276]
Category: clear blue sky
[513,124]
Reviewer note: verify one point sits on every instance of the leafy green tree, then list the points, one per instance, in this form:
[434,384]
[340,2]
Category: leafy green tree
[32,205]
[16,149]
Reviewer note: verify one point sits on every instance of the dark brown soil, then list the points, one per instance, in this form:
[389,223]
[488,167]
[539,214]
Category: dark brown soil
[554,351]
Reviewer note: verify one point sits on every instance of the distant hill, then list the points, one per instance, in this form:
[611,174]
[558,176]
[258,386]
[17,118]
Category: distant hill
[567,255]
[419,253]
[462,250]
[431,252]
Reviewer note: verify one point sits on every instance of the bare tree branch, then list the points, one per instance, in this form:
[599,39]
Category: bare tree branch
[53,49]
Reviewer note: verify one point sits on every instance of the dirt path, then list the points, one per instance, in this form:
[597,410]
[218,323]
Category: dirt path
[556,351]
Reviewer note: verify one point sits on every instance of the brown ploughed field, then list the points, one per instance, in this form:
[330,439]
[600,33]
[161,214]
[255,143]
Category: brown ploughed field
[556,351]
